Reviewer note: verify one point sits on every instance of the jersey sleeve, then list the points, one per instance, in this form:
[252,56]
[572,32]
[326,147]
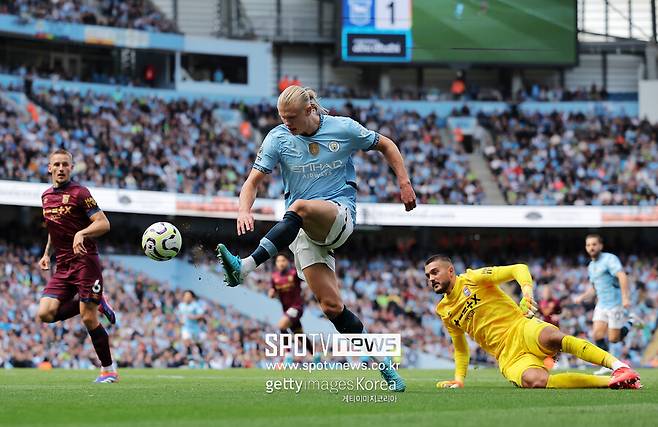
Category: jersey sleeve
[86,202]
[501,274]
[613,264]
[362,138]
[268,155]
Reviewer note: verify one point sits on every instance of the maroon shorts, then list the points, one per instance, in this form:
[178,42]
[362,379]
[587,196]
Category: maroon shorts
[294,313]
[82,276]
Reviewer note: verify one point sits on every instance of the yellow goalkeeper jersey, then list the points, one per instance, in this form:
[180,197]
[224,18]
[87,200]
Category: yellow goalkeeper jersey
[477,306]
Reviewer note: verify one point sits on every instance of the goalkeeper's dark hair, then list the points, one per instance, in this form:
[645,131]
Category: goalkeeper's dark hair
[438,257]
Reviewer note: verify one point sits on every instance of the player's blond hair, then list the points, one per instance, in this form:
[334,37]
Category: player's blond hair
[60,151]
[297,95]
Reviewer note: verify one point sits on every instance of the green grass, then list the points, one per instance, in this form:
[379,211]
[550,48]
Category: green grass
[514,31]
[237,398]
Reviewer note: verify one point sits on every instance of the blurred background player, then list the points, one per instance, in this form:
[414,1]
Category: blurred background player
[613,297]
[73,219]
[315,152]
[287,286]
[191,313]
[549,311]
[473,303]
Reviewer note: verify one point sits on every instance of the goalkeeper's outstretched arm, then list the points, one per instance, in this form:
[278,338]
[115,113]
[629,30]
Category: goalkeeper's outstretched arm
[506,273]
[462,358]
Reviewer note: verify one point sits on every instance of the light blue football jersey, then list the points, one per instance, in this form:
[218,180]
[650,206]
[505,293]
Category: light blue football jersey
[603,274]
[192,309]
[319,166]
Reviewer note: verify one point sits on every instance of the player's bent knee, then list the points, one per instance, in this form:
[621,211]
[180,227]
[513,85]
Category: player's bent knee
[46,316]
[300,207]
[554,338]
[284,323]
[331,308]
[534,378]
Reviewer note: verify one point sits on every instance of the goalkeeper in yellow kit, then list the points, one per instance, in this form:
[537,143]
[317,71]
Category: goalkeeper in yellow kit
[473,303]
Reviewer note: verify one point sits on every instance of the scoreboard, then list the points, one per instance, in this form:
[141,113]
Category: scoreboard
[493,32]
[376,31]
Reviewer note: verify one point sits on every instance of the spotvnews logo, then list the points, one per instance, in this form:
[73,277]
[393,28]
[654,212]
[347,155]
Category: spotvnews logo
[333,345]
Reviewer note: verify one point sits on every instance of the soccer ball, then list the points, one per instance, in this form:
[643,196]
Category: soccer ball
[161,241]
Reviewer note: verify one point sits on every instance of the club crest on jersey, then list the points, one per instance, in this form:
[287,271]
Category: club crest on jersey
[334,146]
[467,292]
[314,148]
[65,198]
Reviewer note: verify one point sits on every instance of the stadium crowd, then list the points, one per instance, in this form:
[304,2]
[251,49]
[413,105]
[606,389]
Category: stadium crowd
[147,333]
[387,291]
[469,91]
[133,14]
[573,159]
[206,148]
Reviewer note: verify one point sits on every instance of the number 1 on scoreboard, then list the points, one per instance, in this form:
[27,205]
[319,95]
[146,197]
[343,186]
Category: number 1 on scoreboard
[393,14]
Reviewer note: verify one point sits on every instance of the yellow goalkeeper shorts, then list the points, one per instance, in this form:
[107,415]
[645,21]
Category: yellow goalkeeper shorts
[522,349]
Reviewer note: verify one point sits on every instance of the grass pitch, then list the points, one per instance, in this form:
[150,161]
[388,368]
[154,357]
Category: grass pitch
[158,397]
[512,31]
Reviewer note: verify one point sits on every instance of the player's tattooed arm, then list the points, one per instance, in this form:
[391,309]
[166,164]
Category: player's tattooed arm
[44,262]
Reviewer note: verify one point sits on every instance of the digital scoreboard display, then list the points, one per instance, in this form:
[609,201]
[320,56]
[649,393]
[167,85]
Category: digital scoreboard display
[459,31]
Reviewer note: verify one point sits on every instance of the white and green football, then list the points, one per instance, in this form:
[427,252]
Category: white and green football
[162,241]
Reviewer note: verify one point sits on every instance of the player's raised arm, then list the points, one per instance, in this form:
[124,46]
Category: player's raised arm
[462,359]
[248,193]
[506,273]
[394,159]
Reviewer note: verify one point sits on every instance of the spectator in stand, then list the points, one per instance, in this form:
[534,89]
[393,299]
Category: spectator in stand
[284,82]
[218,75]
[458,87]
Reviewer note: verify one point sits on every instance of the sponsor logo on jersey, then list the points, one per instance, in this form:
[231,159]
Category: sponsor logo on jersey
[317,167]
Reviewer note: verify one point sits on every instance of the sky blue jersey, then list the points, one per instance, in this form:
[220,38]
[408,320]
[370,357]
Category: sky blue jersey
[319,166]
[603,274]
[192,309]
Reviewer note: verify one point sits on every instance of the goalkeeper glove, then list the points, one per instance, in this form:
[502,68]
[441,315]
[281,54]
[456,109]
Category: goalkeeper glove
[528,304]
[450,384]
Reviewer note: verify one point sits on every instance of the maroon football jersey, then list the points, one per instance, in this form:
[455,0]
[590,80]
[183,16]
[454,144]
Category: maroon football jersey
[550,310]
[289,288]
[66,210]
